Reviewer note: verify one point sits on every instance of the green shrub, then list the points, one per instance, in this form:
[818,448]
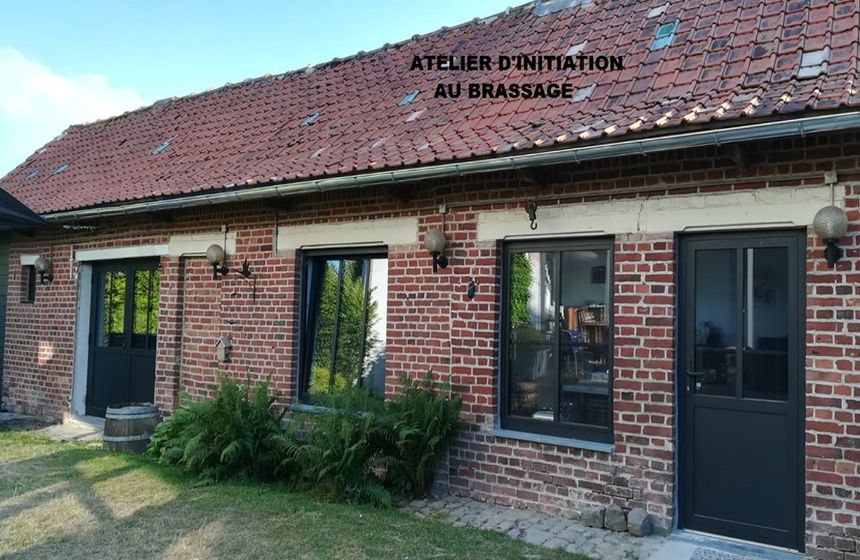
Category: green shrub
[235,434]
[424,421]
[354,447]
[336,457]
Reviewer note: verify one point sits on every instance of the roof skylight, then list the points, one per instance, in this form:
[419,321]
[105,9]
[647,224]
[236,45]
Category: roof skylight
[576,49]
[415,115]
[311,119]
[32,175]
[60,169]
[161,147]
[409,97]
[813,63]
[584,92]
[657,11]
[544,7]
[665,34]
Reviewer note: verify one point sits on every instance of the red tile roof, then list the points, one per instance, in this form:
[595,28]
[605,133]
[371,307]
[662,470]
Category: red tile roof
[729,61]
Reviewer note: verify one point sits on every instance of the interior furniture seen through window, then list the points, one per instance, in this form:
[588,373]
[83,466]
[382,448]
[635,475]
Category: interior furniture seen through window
[556,339]
[344,312]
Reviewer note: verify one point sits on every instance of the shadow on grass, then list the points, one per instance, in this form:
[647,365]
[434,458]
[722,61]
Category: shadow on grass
[113,505]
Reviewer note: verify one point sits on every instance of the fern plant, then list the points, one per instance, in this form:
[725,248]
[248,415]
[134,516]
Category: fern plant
[342,440]
[424,421]
[235,434]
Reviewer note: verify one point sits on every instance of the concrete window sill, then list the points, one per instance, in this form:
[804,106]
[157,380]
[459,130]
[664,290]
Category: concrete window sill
[554,440]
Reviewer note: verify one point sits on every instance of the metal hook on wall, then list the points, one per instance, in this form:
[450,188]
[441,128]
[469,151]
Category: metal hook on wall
[531,209]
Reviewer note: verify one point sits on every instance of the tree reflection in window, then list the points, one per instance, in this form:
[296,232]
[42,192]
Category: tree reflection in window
[145,322]
[113,309]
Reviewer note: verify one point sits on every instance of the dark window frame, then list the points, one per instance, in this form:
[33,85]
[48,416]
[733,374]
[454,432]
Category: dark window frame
[566,430]
[28,283]
[307,317]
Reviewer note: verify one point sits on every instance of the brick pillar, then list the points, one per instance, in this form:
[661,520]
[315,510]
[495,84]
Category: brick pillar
[833,395]
[168,358]
[643,375]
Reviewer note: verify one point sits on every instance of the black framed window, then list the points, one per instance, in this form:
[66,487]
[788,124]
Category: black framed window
[556,367]
[28,284]
[344,313]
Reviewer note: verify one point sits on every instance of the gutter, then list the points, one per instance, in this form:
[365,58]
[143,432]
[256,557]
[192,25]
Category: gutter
[718,137]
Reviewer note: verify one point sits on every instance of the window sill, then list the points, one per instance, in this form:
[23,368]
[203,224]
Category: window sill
[310,408]
[316,409]
[554,440]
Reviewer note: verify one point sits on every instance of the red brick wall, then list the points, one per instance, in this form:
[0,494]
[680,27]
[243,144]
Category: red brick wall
[433,325]
[562,480]
[833,396]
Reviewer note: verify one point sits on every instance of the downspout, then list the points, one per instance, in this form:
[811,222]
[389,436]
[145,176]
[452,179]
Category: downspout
[745,133]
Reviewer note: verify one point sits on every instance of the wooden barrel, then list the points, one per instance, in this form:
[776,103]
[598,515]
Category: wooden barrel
[129,427]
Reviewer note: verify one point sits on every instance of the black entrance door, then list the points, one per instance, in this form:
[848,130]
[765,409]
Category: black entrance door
[740,385]
[122,334]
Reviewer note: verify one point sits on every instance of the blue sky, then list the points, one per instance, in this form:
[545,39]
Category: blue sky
[64,62]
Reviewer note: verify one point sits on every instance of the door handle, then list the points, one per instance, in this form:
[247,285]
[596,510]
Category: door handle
[695,378]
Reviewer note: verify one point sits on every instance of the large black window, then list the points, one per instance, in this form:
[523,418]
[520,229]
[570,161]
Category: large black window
[557,339]
[344,311]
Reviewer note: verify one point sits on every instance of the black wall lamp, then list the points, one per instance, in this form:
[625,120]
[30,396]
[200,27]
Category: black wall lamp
[434,242]
[216,256]
[45,268]
[830,224]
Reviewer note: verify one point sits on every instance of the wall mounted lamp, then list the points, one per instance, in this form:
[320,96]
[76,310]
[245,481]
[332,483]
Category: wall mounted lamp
[830,224]
[216,256]
[45,268]
[434,242]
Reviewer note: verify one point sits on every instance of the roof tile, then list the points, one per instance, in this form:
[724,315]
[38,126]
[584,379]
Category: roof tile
[734,59]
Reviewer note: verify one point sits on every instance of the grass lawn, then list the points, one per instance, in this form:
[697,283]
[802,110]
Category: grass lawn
[75,501]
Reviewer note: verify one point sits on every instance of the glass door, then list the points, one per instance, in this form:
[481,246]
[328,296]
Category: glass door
[740,383]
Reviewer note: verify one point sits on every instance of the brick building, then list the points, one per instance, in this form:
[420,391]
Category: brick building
[631,296]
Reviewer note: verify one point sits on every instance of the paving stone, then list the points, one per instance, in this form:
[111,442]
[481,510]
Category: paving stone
[536,536]
[593,516]
[639,522]
[614,519]
[540,529]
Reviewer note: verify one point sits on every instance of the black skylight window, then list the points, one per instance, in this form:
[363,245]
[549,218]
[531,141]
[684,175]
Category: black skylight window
[664,36]
[33,174]
[311,119]
[61,169]
[161,147]
[409,97]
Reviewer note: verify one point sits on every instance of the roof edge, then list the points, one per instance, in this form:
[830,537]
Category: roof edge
[712,137]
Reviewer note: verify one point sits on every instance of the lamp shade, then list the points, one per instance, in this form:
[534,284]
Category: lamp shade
[830,222]
[434,241]
[215,254]
[42,264]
